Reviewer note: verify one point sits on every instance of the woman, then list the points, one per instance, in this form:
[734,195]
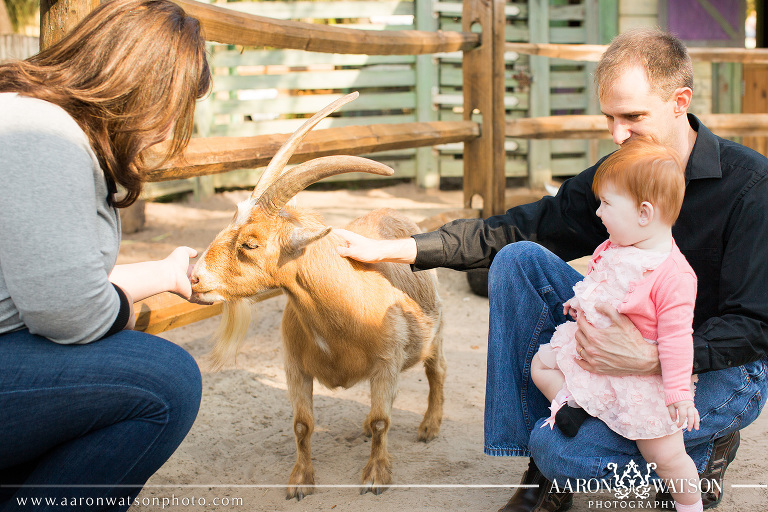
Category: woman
[88,408]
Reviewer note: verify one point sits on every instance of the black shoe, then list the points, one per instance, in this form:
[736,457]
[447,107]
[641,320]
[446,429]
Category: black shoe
[569,419]
[723,453]
[537,499]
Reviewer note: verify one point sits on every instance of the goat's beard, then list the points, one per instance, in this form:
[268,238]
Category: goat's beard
[229,336]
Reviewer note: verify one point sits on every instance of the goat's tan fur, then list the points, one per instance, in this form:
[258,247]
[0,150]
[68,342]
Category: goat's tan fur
[344,321]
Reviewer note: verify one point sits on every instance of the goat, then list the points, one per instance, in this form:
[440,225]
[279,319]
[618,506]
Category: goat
[344,321]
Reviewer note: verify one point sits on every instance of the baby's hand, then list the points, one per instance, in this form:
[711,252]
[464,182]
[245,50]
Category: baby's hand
[682,411]
[570,309]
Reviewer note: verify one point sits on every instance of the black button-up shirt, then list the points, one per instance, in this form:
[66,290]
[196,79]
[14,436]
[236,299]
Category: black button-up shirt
[722,230]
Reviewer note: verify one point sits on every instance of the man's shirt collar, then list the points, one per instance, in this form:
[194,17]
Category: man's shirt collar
[704,161]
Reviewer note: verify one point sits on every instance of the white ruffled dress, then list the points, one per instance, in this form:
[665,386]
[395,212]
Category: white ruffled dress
[632,406]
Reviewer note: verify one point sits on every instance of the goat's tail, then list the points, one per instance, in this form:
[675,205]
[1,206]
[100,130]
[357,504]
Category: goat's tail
[229,336]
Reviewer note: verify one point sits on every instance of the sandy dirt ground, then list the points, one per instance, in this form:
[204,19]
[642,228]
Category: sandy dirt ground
[240,451]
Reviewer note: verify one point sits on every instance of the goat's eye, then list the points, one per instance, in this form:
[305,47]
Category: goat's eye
[249,244]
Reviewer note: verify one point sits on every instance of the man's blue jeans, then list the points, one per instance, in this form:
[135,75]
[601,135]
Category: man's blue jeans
[90,421]
[527,286]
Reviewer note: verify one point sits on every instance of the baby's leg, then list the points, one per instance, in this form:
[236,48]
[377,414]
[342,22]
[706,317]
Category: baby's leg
[676,468]
[548,380]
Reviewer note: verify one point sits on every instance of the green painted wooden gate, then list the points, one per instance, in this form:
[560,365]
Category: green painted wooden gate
[262,91]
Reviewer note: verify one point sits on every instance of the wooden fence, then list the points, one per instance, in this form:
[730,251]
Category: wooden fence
[260,90]
[14,46]
[483,127]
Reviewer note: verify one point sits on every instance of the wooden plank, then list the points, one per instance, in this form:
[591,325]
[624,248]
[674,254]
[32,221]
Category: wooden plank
[567,35]
[592,52]
[559,127]
[299,58]
[226,26]
[453,9]
[17,46]
[594,126]
[221,154]
[340,79]
[305,104]
[58,17]
[567,12]
[428,173]
[167,311]
[322,10]
[483,90]
[246,178]
[539,151]
[254,129]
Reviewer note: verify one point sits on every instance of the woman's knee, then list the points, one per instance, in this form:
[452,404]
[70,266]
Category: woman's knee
[163,370]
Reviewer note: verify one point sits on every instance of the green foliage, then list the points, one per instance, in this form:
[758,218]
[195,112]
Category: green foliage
[22,12]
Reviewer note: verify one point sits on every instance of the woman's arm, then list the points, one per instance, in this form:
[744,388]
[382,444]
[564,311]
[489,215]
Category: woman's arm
[142,280]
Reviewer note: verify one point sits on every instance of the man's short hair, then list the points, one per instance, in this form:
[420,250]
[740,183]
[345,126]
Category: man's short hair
[663,56]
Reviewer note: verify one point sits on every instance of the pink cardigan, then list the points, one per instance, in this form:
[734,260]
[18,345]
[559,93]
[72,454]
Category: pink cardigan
[661,307]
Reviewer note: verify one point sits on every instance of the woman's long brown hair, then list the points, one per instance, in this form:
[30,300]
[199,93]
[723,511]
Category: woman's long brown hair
[129,73]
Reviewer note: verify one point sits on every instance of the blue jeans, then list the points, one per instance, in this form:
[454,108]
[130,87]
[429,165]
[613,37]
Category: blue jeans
[90,421]
[527,286]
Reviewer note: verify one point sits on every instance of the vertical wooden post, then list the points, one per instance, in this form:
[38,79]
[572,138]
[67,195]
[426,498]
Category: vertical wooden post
[601,24]
[483,82]
[427,172]
[539,151]
[57,17]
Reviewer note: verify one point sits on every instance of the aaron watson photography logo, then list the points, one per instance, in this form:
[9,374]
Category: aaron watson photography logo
[631,487]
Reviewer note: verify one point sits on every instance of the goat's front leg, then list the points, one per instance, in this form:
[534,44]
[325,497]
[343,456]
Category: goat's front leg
[302,479]
[377,474]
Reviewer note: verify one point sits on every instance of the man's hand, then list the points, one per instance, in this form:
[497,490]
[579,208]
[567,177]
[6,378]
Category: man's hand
[683,411]
[369,250]
[619,349]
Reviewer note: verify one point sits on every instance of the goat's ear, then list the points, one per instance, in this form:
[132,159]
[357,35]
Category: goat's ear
[302,237]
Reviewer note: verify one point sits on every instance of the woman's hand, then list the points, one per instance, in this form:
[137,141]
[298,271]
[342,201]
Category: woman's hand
[369,250]
[179,270]
[683,411]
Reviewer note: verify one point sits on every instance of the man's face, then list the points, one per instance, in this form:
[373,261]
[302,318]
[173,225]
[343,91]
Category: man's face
[632,109]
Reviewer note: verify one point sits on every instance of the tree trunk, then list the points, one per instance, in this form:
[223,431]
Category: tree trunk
[5,20]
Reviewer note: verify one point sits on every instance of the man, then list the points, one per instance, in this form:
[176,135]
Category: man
[645,83]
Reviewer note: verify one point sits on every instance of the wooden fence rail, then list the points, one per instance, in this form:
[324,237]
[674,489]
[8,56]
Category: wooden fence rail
[592,52]
[212,155]
[15,46]
[230,27]
[483,128]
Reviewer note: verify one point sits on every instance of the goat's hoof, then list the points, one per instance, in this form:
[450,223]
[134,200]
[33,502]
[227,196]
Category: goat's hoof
[428,431]
[373,488]
[298,492]
[301,484]
[376,478]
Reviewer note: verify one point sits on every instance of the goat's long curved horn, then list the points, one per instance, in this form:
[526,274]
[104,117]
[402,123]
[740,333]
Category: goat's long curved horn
[277,164]
[300,177]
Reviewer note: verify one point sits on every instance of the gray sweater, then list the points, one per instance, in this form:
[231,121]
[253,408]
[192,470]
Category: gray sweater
[59,238]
